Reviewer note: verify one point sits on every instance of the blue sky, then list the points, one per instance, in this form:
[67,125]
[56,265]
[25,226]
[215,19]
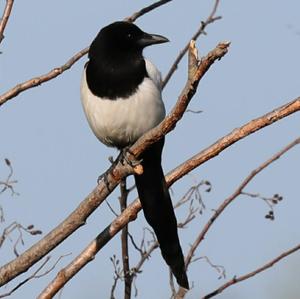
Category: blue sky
[57,159]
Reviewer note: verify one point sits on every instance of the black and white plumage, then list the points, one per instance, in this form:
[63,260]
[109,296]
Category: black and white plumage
[121,97]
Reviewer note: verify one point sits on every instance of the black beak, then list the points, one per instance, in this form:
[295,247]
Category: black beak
[151,39]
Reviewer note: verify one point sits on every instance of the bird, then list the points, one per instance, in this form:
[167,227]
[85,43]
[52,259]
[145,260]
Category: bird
[121,99]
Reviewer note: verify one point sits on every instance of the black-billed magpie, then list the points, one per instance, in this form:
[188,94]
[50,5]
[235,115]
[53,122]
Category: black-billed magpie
[121,97]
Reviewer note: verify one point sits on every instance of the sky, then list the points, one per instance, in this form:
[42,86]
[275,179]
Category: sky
[57,160]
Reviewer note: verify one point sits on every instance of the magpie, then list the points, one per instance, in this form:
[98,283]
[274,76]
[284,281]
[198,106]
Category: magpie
[121,98]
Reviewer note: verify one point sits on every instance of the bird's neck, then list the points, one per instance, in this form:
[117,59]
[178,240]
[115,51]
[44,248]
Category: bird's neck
[115,76]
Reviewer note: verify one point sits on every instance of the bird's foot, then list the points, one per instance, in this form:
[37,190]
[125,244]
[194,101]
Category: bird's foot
[124,157]
[104,175]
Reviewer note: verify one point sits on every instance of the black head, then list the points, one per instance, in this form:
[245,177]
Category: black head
[116,66]
[123,37]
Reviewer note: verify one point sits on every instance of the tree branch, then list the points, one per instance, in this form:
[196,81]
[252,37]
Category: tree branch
[184,99]
[41,79]
[201,30]
[149,138]
[5,17]
[181,292]
[235,279]
[13,92]
[34,275]
[124,243]
[116,172]
[232,197]
[130,213]
[234,136]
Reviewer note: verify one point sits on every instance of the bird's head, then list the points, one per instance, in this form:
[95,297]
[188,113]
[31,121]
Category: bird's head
[124,37]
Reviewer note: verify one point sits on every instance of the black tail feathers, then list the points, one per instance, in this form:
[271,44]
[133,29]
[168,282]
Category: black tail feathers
[159,212]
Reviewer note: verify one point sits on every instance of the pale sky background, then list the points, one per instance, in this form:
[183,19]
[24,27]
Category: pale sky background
[57,159]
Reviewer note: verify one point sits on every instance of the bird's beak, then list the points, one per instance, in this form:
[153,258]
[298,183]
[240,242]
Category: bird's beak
[151,39]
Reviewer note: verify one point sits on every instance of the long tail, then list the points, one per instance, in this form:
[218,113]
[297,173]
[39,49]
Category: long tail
[159,212]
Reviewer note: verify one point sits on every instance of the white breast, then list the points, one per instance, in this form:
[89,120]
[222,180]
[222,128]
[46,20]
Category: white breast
[122,121]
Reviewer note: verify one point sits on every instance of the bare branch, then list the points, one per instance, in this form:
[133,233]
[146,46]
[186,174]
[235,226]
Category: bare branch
[14,226]
[135,207]
[115,175]
[201,30]
[226,202]
[184,99]
[131,212]
[35,274]
[27,279]
[146,10]
[8,272]
[234,136]
[41,79]
[116,172]
[13,92]
[232,197]
[124,243]
[5,17]
[117,275]
[235,279]
[128,215]
[218,268]
[145,256]
[139,249]
[187,197]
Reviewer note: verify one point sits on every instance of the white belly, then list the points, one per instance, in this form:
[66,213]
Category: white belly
[121,122]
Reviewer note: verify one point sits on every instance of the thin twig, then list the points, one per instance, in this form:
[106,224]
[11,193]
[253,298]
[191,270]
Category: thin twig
[270,201]
[232,197]
[15,226]
[145,253]
[117,275]
[201,30]
[146,10]
[145,256]
[219,268]
[8,183]
[124,243]
[235,279]
[5,17]
[134,244]
[35,274]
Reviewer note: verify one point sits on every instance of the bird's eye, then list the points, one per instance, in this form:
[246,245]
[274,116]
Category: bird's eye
[129,35]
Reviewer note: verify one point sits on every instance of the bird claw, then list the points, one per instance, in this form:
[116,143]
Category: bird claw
[123,157]
[103,177]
